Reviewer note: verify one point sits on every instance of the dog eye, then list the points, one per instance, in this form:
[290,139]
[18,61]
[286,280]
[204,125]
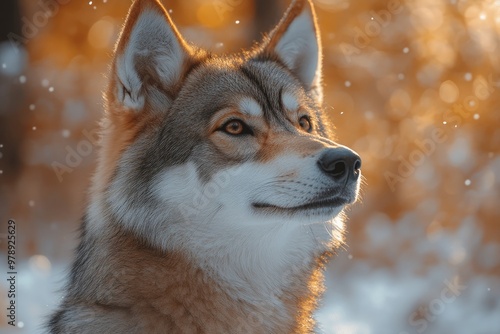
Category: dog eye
[236,127]
[305,123]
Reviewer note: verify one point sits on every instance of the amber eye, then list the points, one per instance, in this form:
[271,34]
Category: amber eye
[305,123]
[236,127]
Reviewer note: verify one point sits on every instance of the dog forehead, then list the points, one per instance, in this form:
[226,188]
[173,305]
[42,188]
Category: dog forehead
[253,88]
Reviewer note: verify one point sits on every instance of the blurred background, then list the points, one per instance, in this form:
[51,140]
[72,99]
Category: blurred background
[412,85]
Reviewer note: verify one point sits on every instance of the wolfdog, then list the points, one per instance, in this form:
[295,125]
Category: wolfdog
[219,192]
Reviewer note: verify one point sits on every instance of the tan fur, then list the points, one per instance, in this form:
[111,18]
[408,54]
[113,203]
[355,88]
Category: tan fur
[153,288]
[275,145]
[117,133]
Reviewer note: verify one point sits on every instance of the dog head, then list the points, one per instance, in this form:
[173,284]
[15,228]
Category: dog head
[199,149]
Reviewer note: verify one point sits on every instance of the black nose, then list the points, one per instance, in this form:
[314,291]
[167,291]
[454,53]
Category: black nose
[340,163]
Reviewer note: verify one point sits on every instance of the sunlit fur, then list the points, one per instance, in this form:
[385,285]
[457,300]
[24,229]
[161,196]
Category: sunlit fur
[190,229]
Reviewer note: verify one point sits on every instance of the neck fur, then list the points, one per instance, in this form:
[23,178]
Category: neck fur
[266,287]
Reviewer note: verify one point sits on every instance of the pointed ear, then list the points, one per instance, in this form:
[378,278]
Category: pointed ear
[150,61]
[296,41]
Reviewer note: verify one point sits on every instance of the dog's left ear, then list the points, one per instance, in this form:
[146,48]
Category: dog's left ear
[151,59]
[296,41]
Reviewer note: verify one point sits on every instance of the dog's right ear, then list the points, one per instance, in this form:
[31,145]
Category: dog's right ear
[295,40]
[151,59]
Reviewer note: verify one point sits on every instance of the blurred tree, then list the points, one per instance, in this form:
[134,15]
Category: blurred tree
[10,18]
[11,95]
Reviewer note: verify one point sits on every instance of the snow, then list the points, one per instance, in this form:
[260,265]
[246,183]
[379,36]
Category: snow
[38,293]
[404,244]
[362,297]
